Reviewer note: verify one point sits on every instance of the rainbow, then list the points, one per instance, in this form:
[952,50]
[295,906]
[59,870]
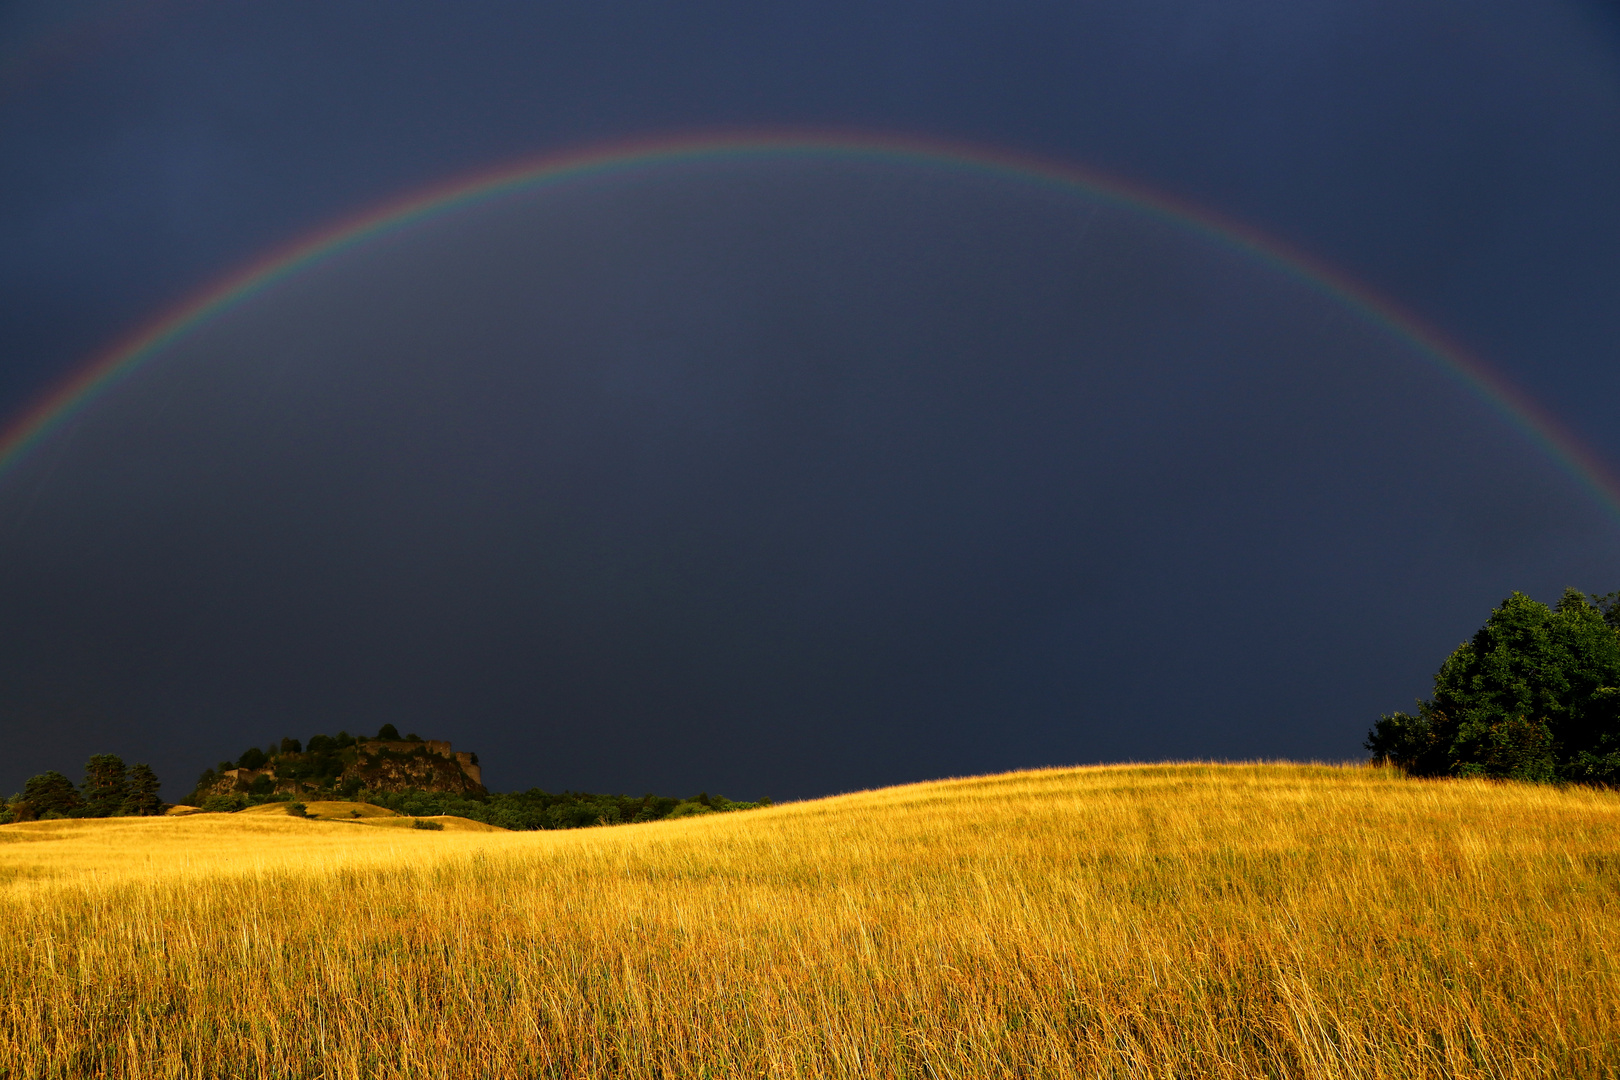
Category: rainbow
[125,356]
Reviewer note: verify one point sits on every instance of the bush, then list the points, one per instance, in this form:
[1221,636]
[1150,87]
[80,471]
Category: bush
[225,804]
[1535,695]
[424,823]
[297,809]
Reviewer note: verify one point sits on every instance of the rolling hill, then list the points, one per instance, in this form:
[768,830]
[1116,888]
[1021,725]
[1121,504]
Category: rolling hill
[1169,920]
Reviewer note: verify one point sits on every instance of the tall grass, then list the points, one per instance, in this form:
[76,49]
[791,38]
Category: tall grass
[1165,921]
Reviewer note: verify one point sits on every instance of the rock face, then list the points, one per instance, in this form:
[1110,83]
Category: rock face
[423,766]
[371,764]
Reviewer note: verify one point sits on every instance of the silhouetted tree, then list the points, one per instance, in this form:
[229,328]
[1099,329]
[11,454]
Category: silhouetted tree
[252,758]
[51,793]
[388,733]
[291,746]
[106,788]
[1535,695]
[143,797]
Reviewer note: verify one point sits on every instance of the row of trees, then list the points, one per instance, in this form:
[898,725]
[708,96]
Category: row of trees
[537,809]
[1535,695]
[109,790]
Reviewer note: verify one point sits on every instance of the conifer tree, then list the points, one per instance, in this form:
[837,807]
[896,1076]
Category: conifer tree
[51,792]
[106,787]
[143,792]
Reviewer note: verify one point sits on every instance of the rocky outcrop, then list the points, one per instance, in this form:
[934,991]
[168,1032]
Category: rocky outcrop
[369,765]
[419,766]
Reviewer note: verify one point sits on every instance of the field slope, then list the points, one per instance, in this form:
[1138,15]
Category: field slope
[1155,921]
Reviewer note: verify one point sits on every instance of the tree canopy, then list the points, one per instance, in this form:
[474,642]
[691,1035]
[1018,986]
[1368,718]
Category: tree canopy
[1534,695]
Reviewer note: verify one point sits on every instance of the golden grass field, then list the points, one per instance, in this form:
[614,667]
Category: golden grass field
[1151,921]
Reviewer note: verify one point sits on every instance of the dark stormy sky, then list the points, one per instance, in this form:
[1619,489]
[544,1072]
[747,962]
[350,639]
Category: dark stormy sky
[784,476]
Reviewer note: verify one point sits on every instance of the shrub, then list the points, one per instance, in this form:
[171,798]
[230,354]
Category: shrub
[297,809]
[225,804]
[424,823]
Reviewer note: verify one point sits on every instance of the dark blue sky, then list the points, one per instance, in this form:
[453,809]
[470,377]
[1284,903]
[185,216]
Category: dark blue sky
[781,480]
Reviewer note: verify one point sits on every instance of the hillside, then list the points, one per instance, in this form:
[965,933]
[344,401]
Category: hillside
[1191,920]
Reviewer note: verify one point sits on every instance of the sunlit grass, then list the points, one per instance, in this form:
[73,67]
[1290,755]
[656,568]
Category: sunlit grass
[1186,921]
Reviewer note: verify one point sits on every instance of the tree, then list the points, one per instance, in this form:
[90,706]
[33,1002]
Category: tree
[143,792]
[51,793]
[388,733]
[1535,695]
[252,758]
[106,788]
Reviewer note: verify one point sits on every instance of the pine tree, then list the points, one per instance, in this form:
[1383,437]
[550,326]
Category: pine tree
[51,793]
[106,787]
[143,792]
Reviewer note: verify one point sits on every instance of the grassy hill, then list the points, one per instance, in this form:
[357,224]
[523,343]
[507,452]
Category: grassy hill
[1176,920]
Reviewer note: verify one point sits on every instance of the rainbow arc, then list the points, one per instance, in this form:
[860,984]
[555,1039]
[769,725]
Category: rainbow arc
[124,357]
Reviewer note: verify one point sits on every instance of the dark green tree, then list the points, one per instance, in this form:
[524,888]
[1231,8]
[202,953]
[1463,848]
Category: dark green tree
[290,745]
[388,733]
[252,758]
[143,797]
[106,787]
[52,793]
[1535,695]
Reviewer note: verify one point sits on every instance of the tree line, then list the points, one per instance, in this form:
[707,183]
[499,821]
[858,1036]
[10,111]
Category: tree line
[1534,695]
[109,790]
[536,809]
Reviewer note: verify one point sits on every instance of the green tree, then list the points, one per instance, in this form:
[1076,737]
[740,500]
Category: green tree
[51,793]
[143,797]
[388,733]
[1535,695]
[106,787]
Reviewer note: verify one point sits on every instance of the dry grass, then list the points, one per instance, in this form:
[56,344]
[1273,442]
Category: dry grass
[1164,921]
